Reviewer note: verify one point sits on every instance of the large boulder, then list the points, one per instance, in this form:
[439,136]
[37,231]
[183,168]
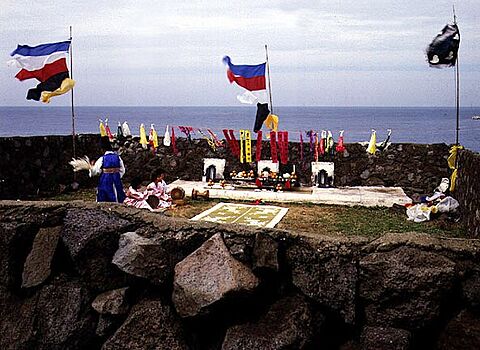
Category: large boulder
[286,325]
[113,302]
[150,325]
[91,238]
[404,287]
[37,267]
[15,244]
[143,257]
[17,321]
[326,271]
[65,319]
[208,275]
[385,338]
[462,332]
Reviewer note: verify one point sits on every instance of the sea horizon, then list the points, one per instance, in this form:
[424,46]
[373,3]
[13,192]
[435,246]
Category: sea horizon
[410,124]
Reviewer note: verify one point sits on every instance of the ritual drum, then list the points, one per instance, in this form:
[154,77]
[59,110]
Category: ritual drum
[177,193]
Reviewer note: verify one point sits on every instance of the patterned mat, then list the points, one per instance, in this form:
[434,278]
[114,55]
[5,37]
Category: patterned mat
[254,215]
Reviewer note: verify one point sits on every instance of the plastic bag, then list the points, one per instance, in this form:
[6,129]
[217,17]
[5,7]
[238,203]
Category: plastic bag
[420,212]
[448,205]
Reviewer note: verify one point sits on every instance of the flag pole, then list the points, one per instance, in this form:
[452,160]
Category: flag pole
[457,87]
[269,84]
[73,109]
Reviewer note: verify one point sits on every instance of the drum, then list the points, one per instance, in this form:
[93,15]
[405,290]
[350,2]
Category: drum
[177,193]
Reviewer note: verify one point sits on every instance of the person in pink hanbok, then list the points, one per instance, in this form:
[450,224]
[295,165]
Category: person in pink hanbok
[136,197]
[158,187]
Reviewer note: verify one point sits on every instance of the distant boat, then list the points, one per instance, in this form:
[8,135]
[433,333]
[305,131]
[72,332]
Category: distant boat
[476,117]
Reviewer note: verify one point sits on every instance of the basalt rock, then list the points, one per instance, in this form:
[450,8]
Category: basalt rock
[91,238]
[265,253]
[462,332]
[65,319]
[385,338]
[405,287]
[326,271]
[17,321]
[112,302]
[150,325]
[208,275]
[37,266]
[293,332]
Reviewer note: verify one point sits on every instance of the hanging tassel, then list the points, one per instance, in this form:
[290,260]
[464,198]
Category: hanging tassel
[273,146]
[209,140]
[215,139]
[153,138]
[372,145]
[301,146]
[103,132]
[283,145]
[143,136]
[107,130]
[330,143]
[385,143]
[316,147]
[119,132]
[340,147]
[234,142]
[311,135]
[126,129]
[323,140]
[259,146]
[174,146]
[166,138]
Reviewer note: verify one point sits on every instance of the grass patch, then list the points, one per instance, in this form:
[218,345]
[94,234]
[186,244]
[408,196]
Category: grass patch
[320,219]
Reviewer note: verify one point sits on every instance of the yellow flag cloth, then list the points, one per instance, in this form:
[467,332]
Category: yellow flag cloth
[154,136]
[452,158]
[103,132]
[66,86]
[143,136]
[452,164]
[372,145]
[248,146]
[272,122]
[242,138]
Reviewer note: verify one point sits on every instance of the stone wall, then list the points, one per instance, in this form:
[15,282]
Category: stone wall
[105,276]
[467,190]
[32,166]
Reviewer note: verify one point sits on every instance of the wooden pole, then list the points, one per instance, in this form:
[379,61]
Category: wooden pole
[269,84]
[73,108]
[457,87]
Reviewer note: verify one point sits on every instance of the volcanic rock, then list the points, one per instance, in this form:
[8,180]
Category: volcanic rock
[207,276]
[292,332]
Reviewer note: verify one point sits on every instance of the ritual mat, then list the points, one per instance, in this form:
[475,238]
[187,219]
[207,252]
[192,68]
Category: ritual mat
[254,215]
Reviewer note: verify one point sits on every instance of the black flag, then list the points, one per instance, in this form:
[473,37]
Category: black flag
[262,114]
[443,50]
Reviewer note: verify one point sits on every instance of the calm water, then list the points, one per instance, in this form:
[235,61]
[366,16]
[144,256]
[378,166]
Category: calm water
[418,125]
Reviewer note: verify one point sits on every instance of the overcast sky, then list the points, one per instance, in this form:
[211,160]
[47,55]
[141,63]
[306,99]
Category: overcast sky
[322,53]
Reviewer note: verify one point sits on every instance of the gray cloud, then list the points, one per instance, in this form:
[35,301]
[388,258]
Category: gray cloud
[169,52]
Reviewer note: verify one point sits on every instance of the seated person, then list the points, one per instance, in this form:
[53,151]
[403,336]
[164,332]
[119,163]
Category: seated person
[158,188]
[135,196]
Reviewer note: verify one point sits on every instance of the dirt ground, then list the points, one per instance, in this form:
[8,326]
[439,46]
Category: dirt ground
[320,219]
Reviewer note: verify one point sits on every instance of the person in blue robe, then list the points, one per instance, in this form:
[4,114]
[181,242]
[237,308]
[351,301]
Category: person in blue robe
[111,169]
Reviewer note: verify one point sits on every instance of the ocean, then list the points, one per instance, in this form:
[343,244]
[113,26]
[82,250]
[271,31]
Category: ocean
[408,124]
